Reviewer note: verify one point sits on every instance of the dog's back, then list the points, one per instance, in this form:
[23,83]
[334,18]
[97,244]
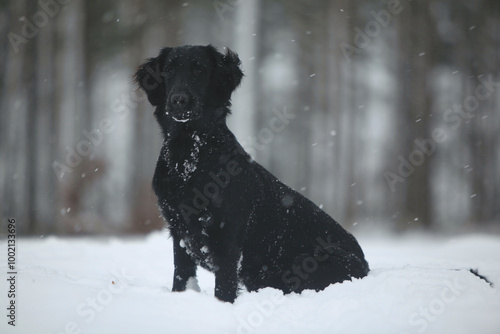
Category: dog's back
[290,243]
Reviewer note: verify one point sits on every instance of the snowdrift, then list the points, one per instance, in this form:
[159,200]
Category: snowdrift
[417,284]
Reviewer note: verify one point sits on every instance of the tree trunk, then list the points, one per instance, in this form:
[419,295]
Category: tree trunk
[416,61]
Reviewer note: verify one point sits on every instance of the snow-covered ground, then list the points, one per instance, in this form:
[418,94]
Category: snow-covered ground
[88,285]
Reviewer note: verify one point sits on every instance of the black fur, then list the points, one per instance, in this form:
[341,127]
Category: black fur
[226,212]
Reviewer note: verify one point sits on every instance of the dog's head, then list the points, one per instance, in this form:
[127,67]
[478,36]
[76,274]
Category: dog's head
[187,83]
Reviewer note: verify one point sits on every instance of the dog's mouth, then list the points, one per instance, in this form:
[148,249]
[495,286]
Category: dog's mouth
[183,116]
[183,120]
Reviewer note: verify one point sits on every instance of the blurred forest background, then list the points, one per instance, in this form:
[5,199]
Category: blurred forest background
[393,108]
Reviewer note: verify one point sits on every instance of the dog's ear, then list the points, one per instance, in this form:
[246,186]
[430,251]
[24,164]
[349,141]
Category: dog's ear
[227,73]
[148,77]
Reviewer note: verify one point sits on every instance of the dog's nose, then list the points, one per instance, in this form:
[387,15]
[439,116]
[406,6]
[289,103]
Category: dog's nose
[179,99]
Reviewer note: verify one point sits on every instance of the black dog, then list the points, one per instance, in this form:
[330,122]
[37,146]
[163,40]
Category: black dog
[226,212]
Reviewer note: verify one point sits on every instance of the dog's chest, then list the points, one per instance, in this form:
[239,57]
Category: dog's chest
[182,156]
[194,233]
[195,240]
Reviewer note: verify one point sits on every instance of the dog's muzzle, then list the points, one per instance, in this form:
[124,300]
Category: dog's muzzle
[182,107]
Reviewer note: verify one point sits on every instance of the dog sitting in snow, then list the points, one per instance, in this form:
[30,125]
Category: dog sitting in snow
[225,212]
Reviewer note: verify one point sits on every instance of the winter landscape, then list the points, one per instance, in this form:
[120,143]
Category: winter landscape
[384,113]
[417,284]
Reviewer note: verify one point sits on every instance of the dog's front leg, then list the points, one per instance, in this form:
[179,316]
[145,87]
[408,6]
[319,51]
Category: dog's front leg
[185,267]
[226,275]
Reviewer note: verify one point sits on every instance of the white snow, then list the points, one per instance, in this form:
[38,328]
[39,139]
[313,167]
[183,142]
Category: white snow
[88,285]
[192,284]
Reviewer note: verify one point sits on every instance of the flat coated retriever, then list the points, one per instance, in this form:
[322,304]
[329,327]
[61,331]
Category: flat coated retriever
[226,212]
